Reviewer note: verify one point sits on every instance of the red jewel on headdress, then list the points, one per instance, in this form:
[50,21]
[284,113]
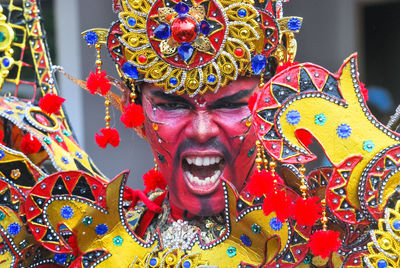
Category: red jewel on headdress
[142,58]
[239,52]
[184,29]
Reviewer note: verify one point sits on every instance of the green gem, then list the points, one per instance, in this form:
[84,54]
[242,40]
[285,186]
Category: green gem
[40,179]
[231,251]
[256,228]
[2,215]
[87,220]
[161,158]
[47,140]
[2,37]
[66,133]
[307,259]
[118,240]
[251,152]
[58,138]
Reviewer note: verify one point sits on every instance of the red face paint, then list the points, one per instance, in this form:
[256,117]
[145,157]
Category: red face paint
[201,139]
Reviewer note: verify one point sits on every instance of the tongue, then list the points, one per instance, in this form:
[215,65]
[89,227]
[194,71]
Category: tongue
[202,172]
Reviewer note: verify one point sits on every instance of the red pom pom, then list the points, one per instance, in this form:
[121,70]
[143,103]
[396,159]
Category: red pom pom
[279,203]
[323,243]
[364,91]
[261,183]
[109,136]
[285,66]
[133,115]
[51,103]
[307,211]
[30,144]
[154,179]
[98,81]
[252,101]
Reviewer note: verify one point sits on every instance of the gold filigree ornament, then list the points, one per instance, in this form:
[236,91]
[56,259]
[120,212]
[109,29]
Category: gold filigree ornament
[7,36]
[192,46]
[385,246]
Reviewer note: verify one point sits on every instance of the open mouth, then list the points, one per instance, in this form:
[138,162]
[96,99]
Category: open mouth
[202,173]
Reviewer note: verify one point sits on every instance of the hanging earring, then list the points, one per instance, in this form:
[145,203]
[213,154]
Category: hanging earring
[154,179]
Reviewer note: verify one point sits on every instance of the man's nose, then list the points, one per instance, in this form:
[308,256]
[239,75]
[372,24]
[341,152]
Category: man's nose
[202,127]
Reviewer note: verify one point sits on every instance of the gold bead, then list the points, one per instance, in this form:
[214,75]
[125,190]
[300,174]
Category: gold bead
[303,188]
[134,41]
[228,68]
[193,84]
[99,62]
[97,46]
[155,127]
[302,169]
[258,160]
[244,33]
[324,219]
[107,103]
[258,143]
[107,118]
[272,164]
[248,122]
[133,95]
[386,243]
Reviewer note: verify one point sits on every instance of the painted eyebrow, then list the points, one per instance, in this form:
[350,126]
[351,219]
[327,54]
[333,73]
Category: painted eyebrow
[232,98]
[171,98]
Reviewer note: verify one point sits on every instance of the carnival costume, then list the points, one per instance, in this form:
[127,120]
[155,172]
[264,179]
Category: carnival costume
[58,210]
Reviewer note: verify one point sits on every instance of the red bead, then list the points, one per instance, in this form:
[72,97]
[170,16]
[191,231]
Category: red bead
[142,58]
[239,52]
[184,29]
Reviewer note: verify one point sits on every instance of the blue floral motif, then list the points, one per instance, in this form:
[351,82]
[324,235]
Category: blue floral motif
[14,228]
[343,131]
[320,119]
[2,154]
[118,240]
[294,24]
[60,258]
[275,224]
[368,146]
[91,38]
[101,229]
[293,117]
[245,240]
[67,212]
[231,251]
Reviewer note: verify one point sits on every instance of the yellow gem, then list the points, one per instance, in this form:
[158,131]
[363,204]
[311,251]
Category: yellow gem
[134,41]
[193,84]
[244,33]
[386,244]
[136,3]
[156,73]
[155,127]
[248,122]
[228,68]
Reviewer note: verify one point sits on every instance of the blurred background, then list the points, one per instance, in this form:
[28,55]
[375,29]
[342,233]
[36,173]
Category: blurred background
[332,30]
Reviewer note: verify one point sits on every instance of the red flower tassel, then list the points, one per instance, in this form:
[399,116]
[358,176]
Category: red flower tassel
[307,211]
[154,179]
[51,103]
[279,203]
[262,182]
[98,81]
[252,101]
[323,243]
[30,144]
[133,115]
[109,136]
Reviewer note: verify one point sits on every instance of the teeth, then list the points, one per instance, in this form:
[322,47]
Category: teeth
[203,161]
[208,180]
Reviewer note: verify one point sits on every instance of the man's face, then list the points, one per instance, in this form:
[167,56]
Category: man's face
[198,140]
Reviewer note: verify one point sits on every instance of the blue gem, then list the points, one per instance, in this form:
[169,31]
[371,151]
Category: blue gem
[294,24]
[185,51]
[67,212]
[8,112]
[204,27]
[293,117]
[14,228]
[162,31]
[101,229]
[19,107]
[275,224]
[153,262]
[173,81]
[242,12]
[382,264]
[91,38]
[320,119]
[60,258]
[245,240]
[6,62]
[231,251]
[396,224]
[343,131]
[2,154]
[187,264]
[131,21]
[65,160]
[258,64]
[130,70]
[368,146]
[211,78]
[181,8]
[79,155]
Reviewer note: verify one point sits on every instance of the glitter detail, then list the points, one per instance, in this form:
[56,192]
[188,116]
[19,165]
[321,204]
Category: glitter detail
[343,131]
[320,119]
[275,224]
[67,212]
[293,117]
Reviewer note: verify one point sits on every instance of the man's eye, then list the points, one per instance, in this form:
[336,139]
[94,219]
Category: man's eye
[172,106]
[231,105]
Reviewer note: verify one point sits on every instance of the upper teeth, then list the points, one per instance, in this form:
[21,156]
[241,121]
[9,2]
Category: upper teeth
[203,161]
